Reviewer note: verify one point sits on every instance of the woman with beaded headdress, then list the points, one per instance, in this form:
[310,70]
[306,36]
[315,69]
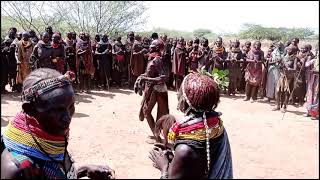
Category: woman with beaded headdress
[36,139]
[200,142]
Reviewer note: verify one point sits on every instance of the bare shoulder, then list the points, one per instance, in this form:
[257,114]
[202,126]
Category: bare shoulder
[185,152]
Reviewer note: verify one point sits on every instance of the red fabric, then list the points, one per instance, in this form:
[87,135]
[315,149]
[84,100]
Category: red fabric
[55,45]
[120,57]
[60,65]
[154,54]
[161,45]
[200,125]
[25,164]
[314,112]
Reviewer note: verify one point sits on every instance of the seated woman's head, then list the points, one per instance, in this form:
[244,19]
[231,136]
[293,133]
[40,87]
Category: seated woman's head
[49,97]
[198,93]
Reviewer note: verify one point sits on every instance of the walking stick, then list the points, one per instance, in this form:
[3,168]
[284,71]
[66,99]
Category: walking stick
[129,67]
[291,93]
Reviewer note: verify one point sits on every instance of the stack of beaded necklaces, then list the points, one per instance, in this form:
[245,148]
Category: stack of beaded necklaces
[19,138]
[218,50]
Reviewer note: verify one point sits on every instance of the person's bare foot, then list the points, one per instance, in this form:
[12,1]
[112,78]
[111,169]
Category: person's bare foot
[246,99]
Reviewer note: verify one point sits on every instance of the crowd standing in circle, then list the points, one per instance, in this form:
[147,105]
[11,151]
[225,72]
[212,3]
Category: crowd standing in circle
[284,73]
[152,66]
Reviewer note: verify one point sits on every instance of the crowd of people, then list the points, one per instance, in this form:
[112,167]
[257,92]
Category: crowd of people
[47,71]
[285,73]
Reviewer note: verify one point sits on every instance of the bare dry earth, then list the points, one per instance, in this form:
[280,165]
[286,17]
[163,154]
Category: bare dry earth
[106,130]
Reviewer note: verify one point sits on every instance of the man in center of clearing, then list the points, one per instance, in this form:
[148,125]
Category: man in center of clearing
[155,88]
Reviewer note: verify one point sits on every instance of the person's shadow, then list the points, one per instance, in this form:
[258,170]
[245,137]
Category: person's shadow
[10,96]
[80,115]
[121,91]
[298,113]
[84,98]
[101,94]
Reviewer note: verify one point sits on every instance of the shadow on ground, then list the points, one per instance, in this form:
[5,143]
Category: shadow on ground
[126,91]
[80,115]
[10,96]
[299,113]
[102,94]
[84,98]
[237,96]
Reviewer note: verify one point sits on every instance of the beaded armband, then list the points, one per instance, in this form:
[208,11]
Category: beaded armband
[36,90]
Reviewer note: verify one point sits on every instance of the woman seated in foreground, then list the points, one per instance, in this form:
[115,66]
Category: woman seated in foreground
[200,142]
[36,139]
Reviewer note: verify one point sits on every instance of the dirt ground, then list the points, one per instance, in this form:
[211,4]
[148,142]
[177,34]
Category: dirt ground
[106,130]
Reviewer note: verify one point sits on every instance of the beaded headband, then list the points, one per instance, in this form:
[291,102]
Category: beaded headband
[36,90]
